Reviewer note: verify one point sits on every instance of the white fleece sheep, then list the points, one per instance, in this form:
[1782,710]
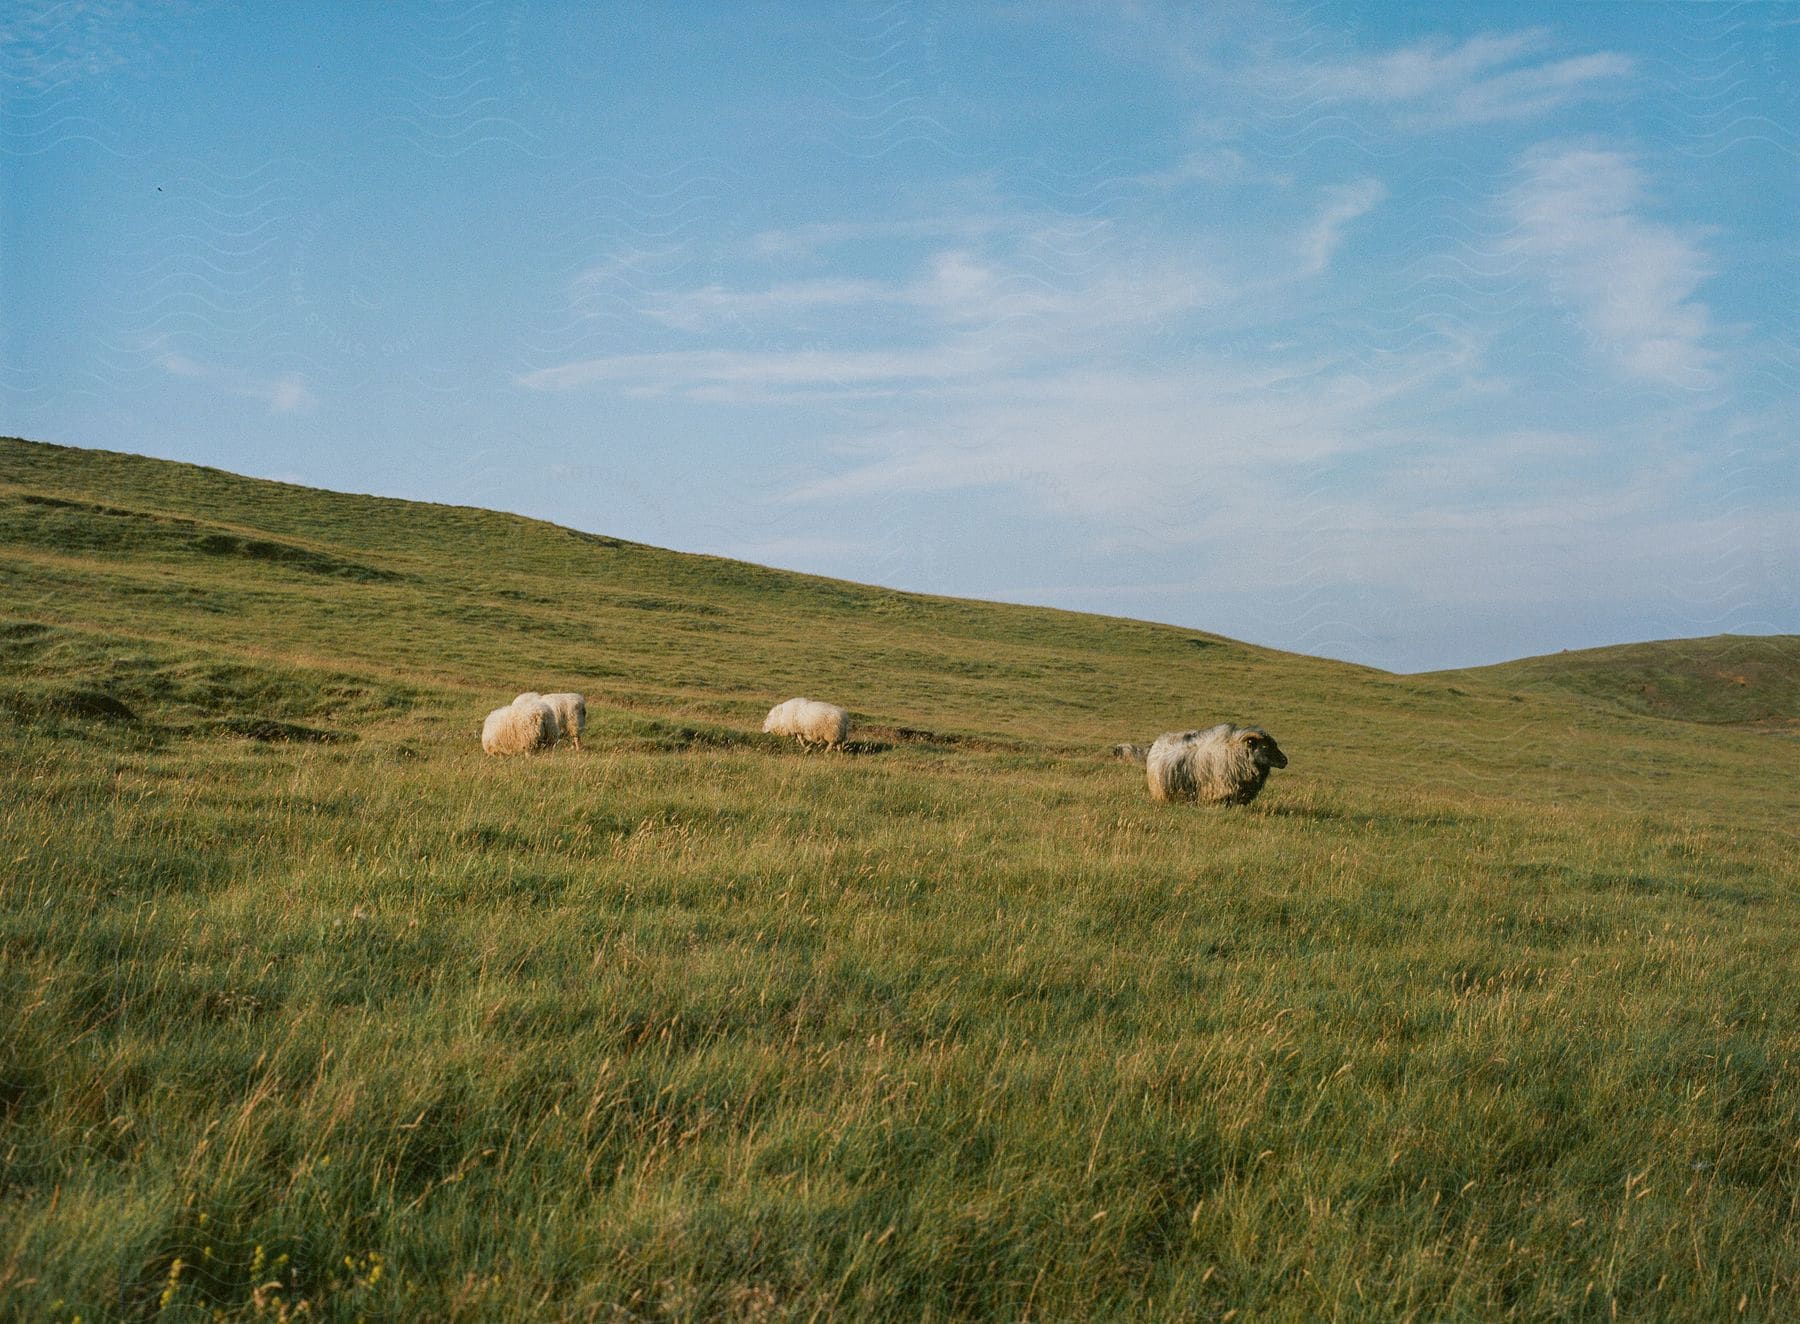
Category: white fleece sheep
[519,728]
[1222,765]
[570,710]
[810,722]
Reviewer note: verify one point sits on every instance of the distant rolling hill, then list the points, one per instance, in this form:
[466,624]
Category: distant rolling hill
[1726,678]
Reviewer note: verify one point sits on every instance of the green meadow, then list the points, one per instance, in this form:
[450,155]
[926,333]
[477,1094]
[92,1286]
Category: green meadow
[1486,1009]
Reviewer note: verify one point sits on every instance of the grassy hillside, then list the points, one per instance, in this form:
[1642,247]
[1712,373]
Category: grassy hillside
[1725,678]
[1483,1010]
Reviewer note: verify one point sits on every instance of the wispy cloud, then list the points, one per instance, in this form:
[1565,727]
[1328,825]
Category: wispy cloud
[288,395]
[1153,448]
[1343,204]
[285,394]
[620,281]
[47,45]
[1432,67]
[960,313]
[1520,93]
[1630,279]
[180,365]
[1439,84]
[707,371]
[957,227]
[1215,163]
[712,306]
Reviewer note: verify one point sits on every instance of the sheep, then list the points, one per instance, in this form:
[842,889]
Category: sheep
[570,710]
[1130,754]
[1224,764]
[519,728]
[571,714]
[810,722]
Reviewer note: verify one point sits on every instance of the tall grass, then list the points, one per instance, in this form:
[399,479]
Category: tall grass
[1484,1010]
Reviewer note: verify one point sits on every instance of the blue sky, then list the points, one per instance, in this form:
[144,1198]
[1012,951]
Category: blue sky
[1417,336]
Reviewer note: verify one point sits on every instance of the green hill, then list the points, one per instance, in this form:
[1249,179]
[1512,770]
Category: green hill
[1483,1010]
[1723,679]
[465,603]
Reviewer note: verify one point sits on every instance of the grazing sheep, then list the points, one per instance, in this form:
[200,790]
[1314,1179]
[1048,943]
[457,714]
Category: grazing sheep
[1222,765]
[810,722]
[519,728]
[1130,754]
[570,710]
[571,714]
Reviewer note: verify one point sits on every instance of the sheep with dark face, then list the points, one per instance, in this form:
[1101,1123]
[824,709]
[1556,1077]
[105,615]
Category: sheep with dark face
[1222,765]
[1129,753]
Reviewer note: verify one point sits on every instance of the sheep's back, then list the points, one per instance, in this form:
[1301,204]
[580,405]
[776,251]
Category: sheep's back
[1201,765]
[825,722]
[780,721]
[570,711]
[1167,770]
[518,728]
[809,719]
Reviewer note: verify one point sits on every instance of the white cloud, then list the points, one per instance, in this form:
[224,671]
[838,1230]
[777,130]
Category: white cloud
[1217,164]
[618,282]
[960,287]
[801,240]
[713,305]
[180,365]
[286,394]
[701,370]
[1435,84]
[1344,203]
[1055,292]
[1630,280]
[1427,68]
[1519,93]
[49,45]
[956,286]
[1147,447]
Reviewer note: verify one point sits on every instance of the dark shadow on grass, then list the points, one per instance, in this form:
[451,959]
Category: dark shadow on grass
[90,703]
[788,745]
[935,740]
[287,554]
[673,737]
[268,731]
[889,736]
[866,747]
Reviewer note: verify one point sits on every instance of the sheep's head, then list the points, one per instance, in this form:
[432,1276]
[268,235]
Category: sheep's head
[1264,752]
